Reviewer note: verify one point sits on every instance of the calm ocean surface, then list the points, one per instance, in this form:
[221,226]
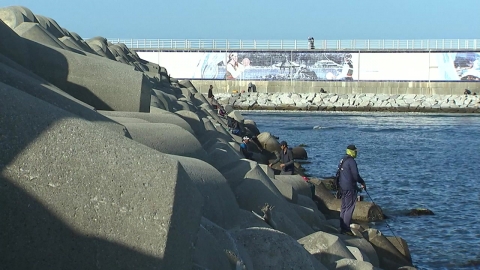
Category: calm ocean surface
[408,161]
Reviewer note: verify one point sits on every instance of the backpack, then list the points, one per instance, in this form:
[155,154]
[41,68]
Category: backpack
[336,180]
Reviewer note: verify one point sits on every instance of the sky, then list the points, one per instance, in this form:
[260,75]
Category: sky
[263,19]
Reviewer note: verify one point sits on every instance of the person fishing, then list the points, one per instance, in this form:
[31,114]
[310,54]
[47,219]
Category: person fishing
[285,158]
[348,177]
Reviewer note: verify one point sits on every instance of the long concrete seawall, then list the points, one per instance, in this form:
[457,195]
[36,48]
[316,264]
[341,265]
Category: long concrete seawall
[352,102]
[341,87]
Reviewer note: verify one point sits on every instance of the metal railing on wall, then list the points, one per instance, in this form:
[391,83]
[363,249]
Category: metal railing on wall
[233,44]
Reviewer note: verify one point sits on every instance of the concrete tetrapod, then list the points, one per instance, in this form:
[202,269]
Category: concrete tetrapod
[20,78]
[328,204]
[271,249]
[297,182]
[158,116]
[167,138]
[309,216]
[34,32]
[97,81]
[358,254]
[253,194]
[351,264]
[12,16]
[208,253]
[219,203]
[363,245]
[389,256]
[327,248]
[307,201]
[193,120]
[228,244]
[286,190]
[74,196]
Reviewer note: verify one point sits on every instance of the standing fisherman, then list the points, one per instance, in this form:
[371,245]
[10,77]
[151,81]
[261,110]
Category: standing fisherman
[347,181]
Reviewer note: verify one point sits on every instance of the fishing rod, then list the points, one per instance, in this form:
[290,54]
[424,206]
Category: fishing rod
[386,223]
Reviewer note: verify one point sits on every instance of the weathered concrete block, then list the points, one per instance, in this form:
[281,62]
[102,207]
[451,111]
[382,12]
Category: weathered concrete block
[74,196]
[193,120]
[167,138]
[288,192]
[100,46]
[268,171]
[352,264]
[401,246]
[260,242]
[307,201]
[358,254]
[237,254]
[208,253]
[13,46]
[50,25]
[363,245]
[327,248]
[253,194]
[219,203]
[297,182]
[158,116]
[364,211]
[388,254]
[20,78]
[13,16]
[223,157]
[99,82]
[34,32]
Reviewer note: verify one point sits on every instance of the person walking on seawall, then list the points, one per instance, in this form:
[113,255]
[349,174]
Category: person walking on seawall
[348,179]
[286,159]
[213,101]
[234,68]
[210,92]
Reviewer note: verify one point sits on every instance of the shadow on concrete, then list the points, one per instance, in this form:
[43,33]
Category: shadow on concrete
[25,220]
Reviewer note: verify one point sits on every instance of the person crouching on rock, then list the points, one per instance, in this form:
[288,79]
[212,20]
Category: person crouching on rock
[348,179]
[244,147]
[286,159]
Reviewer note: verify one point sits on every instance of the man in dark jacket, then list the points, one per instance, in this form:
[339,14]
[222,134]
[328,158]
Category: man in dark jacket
[286,159]
[348,179]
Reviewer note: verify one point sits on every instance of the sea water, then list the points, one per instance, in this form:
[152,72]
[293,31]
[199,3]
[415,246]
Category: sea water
[408,160]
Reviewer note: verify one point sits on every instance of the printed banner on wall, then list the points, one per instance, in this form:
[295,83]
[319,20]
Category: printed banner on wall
[464,66]
[304,66]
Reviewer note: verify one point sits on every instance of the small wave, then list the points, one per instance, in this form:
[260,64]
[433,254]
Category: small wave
[320,127]
[297,128]
[382,129]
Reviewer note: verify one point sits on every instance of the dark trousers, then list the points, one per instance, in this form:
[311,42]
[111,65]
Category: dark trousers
[349,198]
[286,172]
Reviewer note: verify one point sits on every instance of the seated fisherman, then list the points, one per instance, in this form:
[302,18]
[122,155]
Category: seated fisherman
[244,148]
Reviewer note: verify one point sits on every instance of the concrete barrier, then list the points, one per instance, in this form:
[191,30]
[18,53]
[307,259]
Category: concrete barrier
[259,243]
[72,191]
[328,204]
[326,248]
[99,82]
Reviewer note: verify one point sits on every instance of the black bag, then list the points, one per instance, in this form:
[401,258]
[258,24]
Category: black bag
[336,183]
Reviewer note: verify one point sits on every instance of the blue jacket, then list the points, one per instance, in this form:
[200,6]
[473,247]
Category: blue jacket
[349,176]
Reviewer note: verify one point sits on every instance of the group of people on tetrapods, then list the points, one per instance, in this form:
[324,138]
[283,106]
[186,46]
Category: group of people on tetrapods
[345,180]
